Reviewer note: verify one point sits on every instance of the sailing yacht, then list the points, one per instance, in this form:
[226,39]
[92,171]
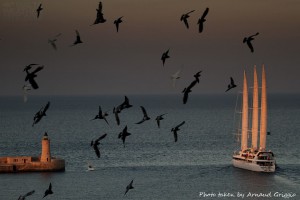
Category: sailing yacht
[254,158]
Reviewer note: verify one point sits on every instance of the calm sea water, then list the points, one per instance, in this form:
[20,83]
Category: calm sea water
[199,162]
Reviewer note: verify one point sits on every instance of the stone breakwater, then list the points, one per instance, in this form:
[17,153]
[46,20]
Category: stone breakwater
[30,164]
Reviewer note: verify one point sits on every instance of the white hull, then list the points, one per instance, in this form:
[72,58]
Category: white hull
[252,167]
[254,164]
[90,169]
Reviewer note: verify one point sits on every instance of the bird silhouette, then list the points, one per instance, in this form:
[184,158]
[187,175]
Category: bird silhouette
[99,17]
[52,42]
[187,90]
[26,88]
[145,117]
[78,39]
[48,191]
[38,10]
[129,187]
[175,129]
[23,197]
[174,77]
[101,115]
[95,144]
[123,135]
[248,41]
[184,18]
[116,111]
[40,114]
[159,118]
[117,22]
[124,105]
[202,20]
[165,56]
[231,84]
[31,75]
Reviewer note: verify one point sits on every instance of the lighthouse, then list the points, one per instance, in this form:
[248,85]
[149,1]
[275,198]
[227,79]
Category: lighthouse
[44,163]
[46,155]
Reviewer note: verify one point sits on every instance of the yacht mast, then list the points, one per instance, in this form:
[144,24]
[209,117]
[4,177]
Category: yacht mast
[263,114]
[244,141]
[255,112]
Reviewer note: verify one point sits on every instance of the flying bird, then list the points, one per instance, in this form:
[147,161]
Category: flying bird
[124,105]
[187,90]
[174,77]
[202,20]
[99,17]
[38,10]
[101,115]
[159,118]
[48,191]
[95,144]
[184,18]
[231,84]
[145,117]
[123,135]
[116,111]
[25,89]
[175,129]
[23,197]
[129,187]
[52,42]
[40,114]
[165,56]
[78,39]
[248,41]
[31,75]
[117,22]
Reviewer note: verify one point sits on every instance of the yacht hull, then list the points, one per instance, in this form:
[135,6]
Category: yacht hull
[252,166]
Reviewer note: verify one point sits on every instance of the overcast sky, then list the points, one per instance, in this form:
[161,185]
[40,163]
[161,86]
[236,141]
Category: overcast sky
[128,62]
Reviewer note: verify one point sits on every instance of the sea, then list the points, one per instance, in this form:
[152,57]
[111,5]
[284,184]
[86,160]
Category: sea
[197,166]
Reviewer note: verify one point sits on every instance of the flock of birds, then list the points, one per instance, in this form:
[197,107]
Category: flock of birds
[184,17]
[31,75]
[100,19]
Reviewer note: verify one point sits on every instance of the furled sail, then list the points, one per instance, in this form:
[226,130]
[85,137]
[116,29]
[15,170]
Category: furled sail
[263,115]
[254,129]
[244,138]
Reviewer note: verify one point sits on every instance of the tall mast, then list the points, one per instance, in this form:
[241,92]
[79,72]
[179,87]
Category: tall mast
[255,112]
[263,114]
[244,142]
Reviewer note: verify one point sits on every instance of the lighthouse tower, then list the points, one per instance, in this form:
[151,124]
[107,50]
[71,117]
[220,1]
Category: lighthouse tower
[46,155]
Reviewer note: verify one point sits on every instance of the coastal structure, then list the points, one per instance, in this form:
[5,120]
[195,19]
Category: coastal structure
[44,163]
[254,158]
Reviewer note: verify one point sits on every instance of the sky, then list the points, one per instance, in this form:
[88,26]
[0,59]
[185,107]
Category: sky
[128,62]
